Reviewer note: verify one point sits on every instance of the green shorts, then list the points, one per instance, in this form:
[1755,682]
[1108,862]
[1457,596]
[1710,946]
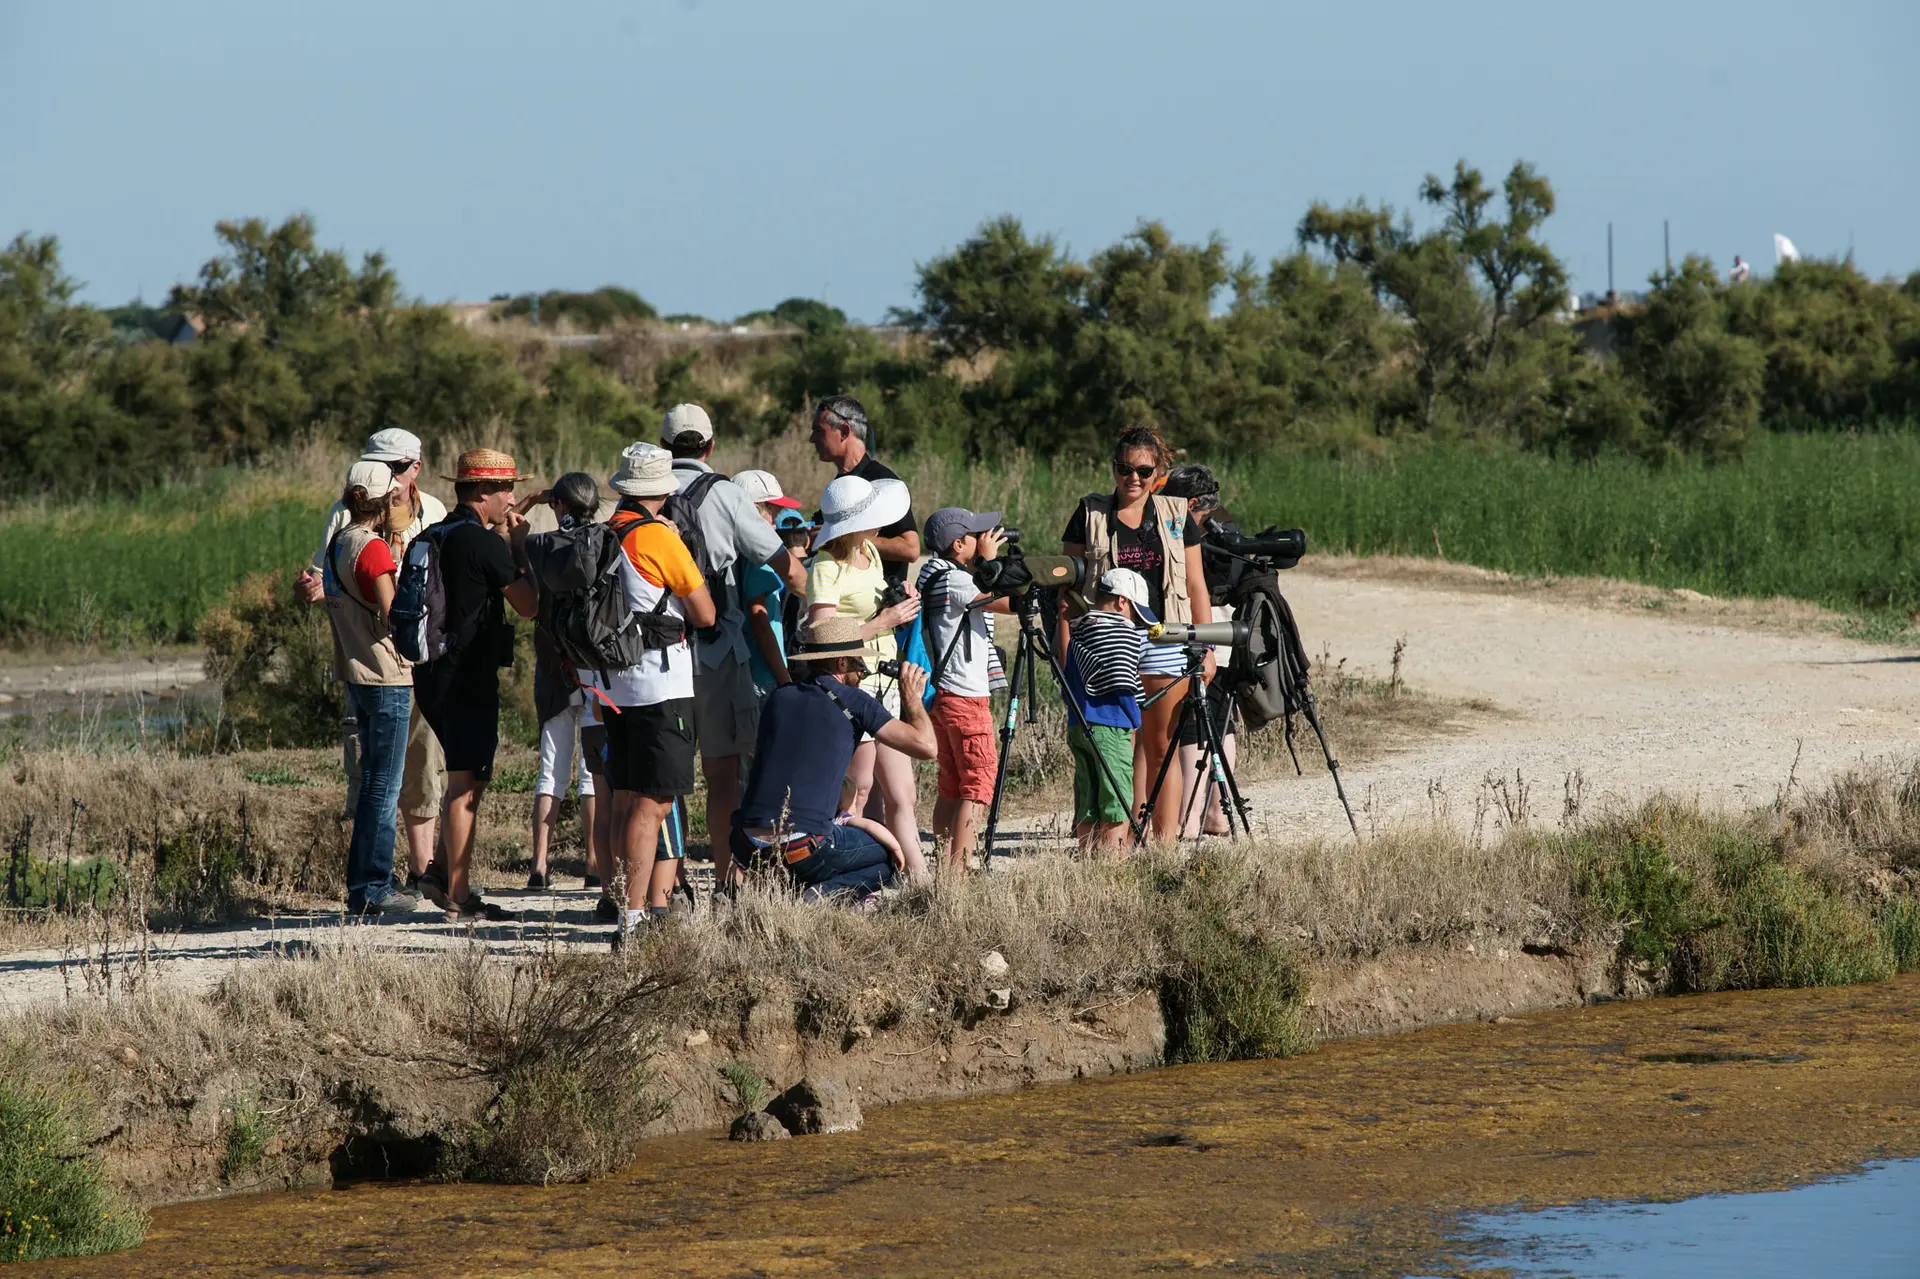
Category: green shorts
[1095,799]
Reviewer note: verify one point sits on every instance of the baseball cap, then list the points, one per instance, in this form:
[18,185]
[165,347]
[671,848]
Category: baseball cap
[1129,585]
[951,522]
[392,445]
[373,478]
[685,419]
[790,521]
[761,486]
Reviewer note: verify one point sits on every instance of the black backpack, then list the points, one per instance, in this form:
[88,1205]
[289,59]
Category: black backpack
[584,606]
[1269,680]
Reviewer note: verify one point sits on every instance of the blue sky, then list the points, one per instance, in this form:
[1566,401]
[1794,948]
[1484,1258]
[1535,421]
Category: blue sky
[719,155]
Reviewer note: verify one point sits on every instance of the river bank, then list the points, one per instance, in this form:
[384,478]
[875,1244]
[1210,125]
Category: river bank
[1358,1159]
[338,1059]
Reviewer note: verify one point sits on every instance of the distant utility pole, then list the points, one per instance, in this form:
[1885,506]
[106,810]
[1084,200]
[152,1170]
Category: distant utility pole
[1666,244]
[1611,295]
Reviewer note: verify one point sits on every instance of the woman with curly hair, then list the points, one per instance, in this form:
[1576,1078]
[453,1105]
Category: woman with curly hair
[1137,527]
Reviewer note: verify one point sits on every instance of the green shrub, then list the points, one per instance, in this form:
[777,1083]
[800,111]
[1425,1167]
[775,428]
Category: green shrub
[273,657]
[1231,994]
[248,1131]
[54,1200]
[1900,925]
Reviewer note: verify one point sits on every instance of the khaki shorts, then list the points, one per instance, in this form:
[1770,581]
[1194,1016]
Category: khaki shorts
[726,709]
[423,784]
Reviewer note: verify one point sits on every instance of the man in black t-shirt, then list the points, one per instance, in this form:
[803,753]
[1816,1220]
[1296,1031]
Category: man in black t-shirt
[841,436]
[808,731]
[483,563]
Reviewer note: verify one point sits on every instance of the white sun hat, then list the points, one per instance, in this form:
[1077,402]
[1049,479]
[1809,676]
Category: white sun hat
[854,504]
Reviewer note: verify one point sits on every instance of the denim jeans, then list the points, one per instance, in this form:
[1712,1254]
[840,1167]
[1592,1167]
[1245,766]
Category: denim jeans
[846,860]
[381,712]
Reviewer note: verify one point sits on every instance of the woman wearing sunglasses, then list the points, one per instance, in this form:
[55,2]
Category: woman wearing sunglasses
[1138,528]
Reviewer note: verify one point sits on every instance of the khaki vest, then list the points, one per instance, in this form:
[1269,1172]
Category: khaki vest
[362,640]
[1171,512]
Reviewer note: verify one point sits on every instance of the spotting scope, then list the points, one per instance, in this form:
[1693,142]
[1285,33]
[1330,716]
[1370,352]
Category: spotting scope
[1233,633]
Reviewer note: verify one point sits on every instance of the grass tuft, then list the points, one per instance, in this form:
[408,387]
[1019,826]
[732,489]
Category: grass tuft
[54,1199]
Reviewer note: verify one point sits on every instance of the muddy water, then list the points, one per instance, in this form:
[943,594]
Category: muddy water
[1361,1159]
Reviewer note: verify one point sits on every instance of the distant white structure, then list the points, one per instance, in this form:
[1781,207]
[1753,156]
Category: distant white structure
[1740,270]
[1783,250]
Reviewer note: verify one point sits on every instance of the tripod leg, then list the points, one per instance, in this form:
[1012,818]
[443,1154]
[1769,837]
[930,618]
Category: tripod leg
[1333,765]
[1022,658]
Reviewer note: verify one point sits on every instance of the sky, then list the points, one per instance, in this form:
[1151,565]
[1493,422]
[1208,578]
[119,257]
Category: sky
[720,155]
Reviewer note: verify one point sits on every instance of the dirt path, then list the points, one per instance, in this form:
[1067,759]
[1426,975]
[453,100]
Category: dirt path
[1629,698]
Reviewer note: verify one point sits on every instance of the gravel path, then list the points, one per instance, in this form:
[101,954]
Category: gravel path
[1632,700]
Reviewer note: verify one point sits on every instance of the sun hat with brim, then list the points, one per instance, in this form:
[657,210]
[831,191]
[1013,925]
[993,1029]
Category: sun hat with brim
[392,445]
[375,479]
[950,523]
[1129,586]
[854,504]
[480,466]
[832,637]
[762,488]
[646,470]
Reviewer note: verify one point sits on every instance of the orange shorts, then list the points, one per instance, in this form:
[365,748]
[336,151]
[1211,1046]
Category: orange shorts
[964,728]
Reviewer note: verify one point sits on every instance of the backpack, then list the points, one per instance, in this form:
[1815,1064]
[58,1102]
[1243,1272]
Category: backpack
[1271,681]
[682,509]
[584,606]
[419,613]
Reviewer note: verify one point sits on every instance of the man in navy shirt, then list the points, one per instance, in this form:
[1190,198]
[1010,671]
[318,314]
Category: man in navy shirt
[808,731]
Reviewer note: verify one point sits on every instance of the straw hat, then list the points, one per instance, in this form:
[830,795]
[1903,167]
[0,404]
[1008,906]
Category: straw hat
[477,466]
[646,470]
[853,504]
[832,637]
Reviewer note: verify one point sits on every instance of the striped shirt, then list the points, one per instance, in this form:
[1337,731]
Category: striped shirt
[961,634]
[1107,649]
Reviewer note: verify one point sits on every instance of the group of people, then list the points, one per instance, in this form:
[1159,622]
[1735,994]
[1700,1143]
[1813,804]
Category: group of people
[707,615]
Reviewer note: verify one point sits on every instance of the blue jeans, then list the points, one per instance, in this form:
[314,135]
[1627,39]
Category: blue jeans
[382,712]
[845,860]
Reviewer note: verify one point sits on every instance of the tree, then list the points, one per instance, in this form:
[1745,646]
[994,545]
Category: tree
[269,278]
[1702,384]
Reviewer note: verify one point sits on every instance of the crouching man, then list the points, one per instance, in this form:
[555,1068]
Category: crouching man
[808,730]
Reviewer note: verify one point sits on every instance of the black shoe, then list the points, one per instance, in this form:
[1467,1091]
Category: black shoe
[606,911]
[476,907]
[538,882]
[432,883]
[590,881]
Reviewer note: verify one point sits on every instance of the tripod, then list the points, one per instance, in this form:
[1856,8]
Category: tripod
[1213,758]
[1033,645]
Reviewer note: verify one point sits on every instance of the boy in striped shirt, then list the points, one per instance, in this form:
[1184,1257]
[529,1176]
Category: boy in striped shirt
[1103,678]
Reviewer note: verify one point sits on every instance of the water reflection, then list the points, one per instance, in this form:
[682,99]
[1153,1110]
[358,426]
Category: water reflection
[1865,1227]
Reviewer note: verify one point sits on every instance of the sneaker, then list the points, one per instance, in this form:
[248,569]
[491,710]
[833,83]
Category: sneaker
[397,904]
[537,881]
[605,911]
[432,883]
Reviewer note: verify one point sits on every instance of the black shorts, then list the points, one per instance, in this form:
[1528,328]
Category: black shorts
[593,747]
[461,703]
[650,748]
[1220,701]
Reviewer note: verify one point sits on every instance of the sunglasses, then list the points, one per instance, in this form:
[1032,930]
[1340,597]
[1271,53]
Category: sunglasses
[1142,473]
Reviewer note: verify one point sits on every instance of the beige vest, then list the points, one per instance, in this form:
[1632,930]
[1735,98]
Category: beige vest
[1171,512]
[362,640]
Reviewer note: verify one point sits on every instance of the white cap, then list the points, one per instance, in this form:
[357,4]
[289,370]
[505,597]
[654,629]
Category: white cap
[685,419]
[392,445]
[761,486]
[374,478]
[1129,585]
